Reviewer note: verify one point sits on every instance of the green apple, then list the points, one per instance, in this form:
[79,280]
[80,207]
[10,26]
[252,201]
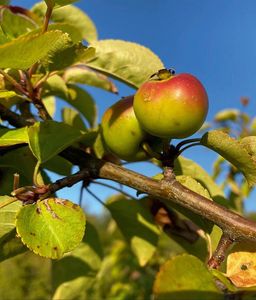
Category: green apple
[171,106]
[122,132]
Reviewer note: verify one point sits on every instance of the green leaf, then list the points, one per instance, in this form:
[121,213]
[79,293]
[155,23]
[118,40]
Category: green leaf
[84,103]
[72,118]
[69,56]
[7,216]
[24,51]
[253,126]
[21,161]
[58,3]
[59,165]
[126,61]
[51,227]
[15,24]
[50,105]
[84,261]
[84,75]
[9,137]
[184,166]
[221,276]
[49,138]
[233,151]
[55,86]
[71,30]
[227,115]
[185,277]
[137,226]
[99,146]
[11,246]
[7,94]
[71,15]
[249,143]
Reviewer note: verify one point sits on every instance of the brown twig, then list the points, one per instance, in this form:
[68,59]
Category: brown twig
[219,254]
[13,118]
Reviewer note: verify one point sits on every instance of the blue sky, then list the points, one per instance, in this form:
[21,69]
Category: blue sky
[214,40]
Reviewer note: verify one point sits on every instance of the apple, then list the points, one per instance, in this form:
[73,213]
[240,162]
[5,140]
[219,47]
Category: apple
[171,106]
[122,132]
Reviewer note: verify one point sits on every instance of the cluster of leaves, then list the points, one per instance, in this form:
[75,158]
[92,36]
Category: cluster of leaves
[42,63]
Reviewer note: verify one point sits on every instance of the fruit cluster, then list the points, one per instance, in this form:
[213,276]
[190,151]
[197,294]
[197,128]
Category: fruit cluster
[167,106]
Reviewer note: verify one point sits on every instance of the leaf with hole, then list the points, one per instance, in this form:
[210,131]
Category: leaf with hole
[115,58]
[51,227]
[233,151]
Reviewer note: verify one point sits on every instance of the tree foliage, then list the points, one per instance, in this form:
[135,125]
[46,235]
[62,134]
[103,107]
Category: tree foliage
[141,246]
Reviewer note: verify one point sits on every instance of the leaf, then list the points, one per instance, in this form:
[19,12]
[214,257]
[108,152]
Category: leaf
[84,103]
[227,115]
[249,143]
[253,126]
[21,161]
[233,151]
[48,138]
[59,165]
[71,15]
[11,246]
[137,226]
[221,276]
[99,146]
[7,216]
[184,166]
[7,94]
[71,30]
[84,75]
[58,3]
[185,277]
[69,56]
[9,137]
[24,51]
[55,86]
[15,24]
[72,118]
[241,265]
[50,105]
[51,227]
[126,61]
[84,261]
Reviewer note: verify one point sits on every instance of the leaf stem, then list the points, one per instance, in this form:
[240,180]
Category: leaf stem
[95,197]
[14,83]
[47,18]
[187,147]
[188,141]
[150,152]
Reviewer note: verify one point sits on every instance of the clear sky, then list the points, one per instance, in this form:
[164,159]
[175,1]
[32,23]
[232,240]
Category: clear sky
[214,40]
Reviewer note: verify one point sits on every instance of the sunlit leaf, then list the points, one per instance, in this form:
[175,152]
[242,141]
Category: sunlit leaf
[233,151]
[15,24]
[227,115]
[9,137]
[56,86]
[61,136]
[72,118]
[57,3]
[7,215]
[137,227]
[63,224]
[249,143]
[84,75]
[24,51]
[185,277]
[70,15]
[7,94]
[84,103]
[126,61]
[241,265]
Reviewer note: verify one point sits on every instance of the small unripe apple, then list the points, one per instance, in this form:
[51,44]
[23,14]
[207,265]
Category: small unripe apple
[171,106]
[122,132]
